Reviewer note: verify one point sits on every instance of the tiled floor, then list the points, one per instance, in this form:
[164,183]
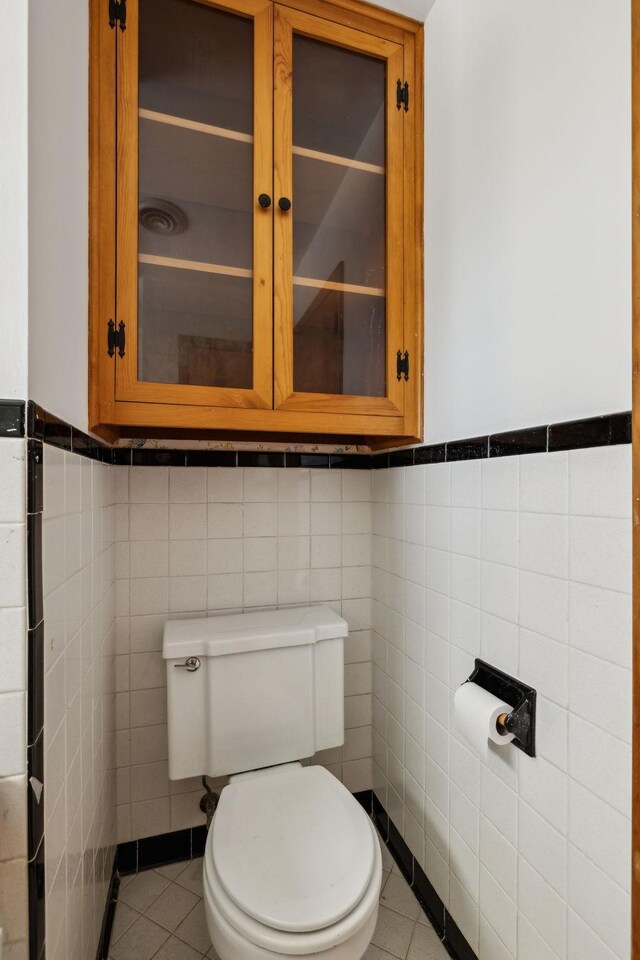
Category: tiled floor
[160,915]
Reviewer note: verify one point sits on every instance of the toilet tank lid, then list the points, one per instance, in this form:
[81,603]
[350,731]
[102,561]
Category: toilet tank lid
[245,632]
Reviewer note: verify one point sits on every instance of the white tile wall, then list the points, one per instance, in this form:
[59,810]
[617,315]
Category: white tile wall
[527,564]
[194,542]
[80,779]
[13,757]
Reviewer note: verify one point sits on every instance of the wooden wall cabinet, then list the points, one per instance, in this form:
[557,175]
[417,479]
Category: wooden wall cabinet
[256,220]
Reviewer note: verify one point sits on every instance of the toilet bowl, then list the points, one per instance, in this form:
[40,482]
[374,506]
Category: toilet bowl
[292,867]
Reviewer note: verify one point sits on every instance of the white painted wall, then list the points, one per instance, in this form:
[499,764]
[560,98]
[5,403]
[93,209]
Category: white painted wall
[58,207]
[13,204]
[527,213]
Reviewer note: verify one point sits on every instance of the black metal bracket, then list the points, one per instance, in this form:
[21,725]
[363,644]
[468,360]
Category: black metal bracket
[402,364]
[118,13]
[402,95]
[521,722]
[115,338]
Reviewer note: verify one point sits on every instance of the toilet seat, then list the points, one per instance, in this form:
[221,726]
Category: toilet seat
[292,848]
[236,928]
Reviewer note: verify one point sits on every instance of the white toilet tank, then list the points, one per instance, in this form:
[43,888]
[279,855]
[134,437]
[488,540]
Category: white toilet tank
[251,690]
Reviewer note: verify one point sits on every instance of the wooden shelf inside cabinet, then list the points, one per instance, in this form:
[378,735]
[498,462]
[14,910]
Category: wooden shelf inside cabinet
[226,134]
[173,263]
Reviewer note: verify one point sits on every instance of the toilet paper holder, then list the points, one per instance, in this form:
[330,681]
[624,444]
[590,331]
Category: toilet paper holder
[521,721]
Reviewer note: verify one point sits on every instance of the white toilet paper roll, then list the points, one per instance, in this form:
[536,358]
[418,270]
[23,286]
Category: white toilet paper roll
[476,711]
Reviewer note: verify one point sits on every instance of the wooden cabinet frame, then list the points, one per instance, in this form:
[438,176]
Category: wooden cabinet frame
[124,406]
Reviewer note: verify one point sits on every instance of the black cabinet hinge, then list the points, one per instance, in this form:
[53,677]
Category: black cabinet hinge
[115,338]
[402,96]
[402,364]
[118,13]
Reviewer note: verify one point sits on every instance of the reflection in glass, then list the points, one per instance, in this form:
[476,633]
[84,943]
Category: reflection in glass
[194,328]
[195,183]
[338,342]
[339,209]
[196,62]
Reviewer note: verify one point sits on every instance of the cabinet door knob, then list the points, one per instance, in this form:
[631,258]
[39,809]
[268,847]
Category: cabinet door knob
[284,203]
[264,200]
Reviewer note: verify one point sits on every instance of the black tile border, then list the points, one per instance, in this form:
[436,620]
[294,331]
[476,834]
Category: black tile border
[104,943]
[35,801]
[33,418]
[35,602]
[476,448]
[12,418]
[137,855]
[18,419]
[35,476]
[35,683]
[36,895]
[603,431]
[441,920]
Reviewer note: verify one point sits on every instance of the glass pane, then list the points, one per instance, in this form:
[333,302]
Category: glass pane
[196,62]
[195,328]
[338,342]
[195,195]
[339,211]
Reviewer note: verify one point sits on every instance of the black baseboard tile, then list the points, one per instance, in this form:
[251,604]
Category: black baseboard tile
[135,855]
[423,890]
[400,852]
[380,817]
[164,848]
[127,857]
[198,841]
[455,941]
[104,942]
[35,795]
[428,899]
[36,897]
[365,799]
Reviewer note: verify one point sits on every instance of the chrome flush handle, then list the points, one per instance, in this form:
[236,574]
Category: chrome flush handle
[191,664]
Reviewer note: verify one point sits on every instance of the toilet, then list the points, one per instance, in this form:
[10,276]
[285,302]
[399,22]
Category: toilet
[292,865]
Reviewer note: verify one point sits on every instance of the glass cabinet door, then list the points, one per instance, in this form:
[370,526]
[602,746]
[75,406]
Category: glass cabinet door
[194,220]
[338,217]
